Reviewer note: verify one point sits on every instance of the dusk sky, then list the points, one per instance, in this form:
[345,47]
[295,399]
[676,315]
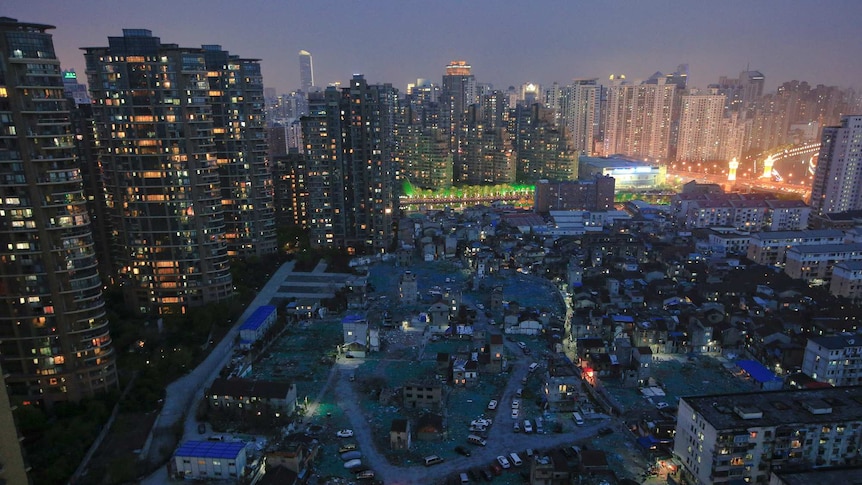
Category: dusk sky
[506,42]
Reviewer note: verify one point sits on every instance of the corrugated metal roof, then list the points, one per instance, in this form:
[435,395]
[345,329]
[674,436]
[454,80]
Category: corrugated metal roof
[210,449]
[257,318]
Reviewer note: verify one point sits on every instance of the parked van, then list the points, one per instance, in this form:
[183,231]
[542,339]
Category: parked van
[433,460]
[539,429]
[528,427]
[516,460]
[534,366]
[476,440]
[576,417]
[519,392]
[464,478]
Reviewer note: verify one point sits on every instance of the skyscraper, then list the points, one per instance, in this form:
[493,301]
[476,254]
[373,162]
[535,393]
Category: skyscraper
[159,158]
[348,136]
[700,126]
[458,92]
[306,72]
[236,97]
[639,119]
[839,168]
[54,339]
[580,108]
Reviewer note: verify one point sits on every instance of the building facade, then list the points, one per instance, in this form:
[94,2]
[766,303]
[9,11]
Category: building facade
[734,437]
[836,359]
[348,137]
[839,168]
[595,194]
[239,131]
[163,193]
[639,119]
[54,338]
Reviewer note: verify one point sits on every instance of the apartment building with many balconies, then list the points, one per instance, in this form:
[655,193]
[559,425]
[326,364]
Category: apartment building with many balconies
[736,438]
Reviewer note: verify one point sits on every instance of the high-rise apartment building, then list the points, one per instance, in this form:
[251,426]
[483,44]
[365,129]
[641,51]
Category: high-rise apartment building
[306,72]
[423,156]
[639,119]
[239,131]
[580,107]
[700,126]
[54,338]
[159,158]
[348,138]
[838,176]
[544,150]
[457,93]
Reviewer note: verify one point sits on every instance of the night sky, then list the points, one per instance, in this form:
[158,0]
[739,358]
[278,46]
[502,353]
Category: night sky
[506,42]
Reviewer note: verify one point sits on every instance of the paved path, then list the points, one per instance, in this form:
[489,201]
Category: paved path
[502,440]
[182,395]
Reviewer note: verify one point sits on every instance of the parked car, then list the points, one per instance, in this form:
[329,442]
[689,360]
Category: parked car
[492,404]
[504,462]
[462,450]
[605,431]
[432,460]
[662,405]
[487,475]
[516,403]
[528,427]
[347,447]
[515,413]
[517,427]
[365,475]
[344,433]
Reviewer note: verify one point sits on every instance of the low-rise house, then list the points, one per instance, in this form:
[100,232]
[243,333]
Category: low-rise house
[210,460]
[256,325]
[355,334]
[551,468]
[562,385]
[297,456]
[251,396]
[399,434]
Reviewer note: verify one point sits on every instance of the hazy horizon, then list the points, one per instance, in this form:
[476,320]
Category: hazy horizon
[507,43]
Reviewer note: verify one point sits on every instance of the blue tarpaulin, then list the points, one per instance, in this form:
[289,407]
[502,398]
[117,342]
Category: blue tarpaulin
[757,371]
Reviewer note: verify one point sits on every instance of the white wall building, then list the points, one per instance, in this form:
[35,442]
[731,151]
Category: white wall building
[836,359]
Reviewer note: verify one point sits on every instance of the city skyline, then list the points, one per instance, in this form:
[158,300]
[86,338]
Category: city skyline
[503,42]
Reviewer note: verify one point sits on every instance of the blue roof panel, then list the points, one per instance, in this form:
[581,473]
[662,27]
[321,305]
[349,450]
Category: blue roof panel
[210,449]
[257,318]
[757,371]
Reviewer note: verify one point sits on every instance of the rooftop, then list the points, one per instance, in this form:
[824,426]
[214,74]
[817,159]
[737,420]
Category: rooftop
[210,449]
[778,408]
[836,342]
[258,317]
[805,234]
[250,388]
[826,248]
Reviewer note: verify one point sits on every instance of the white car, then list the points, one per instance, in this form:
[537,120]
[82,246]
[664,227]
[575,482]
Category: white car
[345,433]
[516,403]
[662,405]
[504,462]
[482,422]
[522,345]
[492,404]
[515,414]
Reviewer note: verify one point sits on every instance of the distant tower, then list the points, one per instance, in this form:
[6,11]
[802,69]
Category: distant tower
[306,71]
[731,172]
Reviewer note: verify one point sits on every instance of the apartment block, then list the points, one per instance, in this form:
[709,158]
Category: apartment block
[834,359]
[733,438]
